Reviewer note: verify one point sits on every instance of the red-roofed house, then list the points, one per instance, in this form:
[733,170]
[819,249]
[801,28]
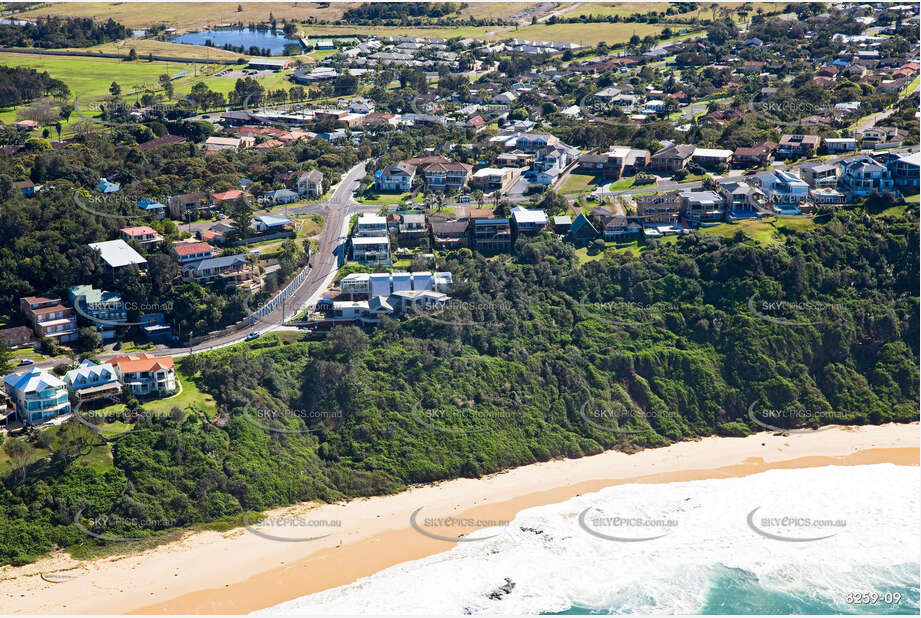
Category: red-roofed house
[142,233]
[227,196]
[146,374]
[190,252]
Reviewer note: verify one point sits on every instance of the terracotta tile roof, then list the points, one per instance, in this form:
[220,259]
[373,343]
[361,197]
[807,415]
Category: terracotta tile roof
[142,362]
[192,248]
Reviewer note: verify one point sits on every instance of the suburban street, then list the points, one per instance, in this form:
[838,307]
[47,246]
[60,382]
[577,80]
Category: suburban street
[324,263]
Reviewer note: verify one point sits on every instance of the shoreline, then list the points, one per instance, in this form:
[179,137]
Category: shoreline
[238,572]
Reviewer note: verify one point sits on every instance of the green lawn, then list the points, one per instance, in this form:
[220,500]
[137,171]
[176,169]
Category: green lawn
[912,199]
[762,231]
[628,183]
[382,199]
[579,183]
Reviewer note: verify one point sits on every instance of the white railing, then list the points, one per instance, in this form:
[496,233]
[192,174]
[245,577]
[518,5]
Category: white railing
[270,306]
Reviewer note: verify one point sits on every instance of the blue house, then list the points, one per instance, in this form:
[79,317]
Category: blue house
[27,187]
[154,208]
[105,186]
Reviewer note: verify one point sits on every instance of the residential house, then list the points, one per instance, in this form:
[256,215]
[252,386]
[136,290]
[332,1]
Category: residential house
[410,229]
[310,183]
[534,142]
[615,227]
[798,145]
[449,235]
[663,208]
[26,187]
[826,195]
[189,203]
[104,186]
[216,144]
[861,176]
[90,382]
[582,230]
[38,395]
[783,191]
[592,163]
[741,198]
[548,177]
[672,158]
[370,285]
[49,318]
[837,145]
[227,198]
[882,137]
[515,158]
[702,206]
[397,178]
[146,374]
[624,161]
[104,310]
[562,224]
[118,254]
[142,234]
[490,179]
[153,208]
[490,235]
[191,252]
[370,225]
[281,196]
[711,157]
[446,177]
[371,250]
[16,336]
[528,221]
[755,156]
[235,269]
[905,171]
[818,174]
[268,224]
[552,156]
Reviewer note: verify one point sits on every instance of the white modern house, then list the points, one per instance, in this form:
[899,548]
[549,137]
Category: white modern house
[38,395]
[783,191]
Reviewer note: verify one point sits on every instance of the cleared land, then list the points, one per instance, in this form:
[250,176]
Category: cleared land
[143,47]
[194,15]
[198,15]
[625,9]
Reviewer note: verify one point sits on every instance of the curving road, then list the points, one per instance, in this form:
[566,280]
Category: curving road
[324,263]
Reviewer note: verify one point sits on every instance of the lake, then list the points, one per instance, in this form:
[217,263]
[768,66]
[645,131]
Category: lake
[239,38]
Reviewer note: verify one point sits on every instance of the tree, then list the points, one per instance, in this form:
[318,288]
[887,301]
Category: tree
[132,55]
[20,454]
[241,213]
[167,85]
[73,438]
[90,339]
[115,90]
[6,366]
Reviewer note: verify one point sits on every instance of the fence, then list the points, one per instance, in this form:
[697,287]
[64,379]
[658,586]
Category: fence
[270,306]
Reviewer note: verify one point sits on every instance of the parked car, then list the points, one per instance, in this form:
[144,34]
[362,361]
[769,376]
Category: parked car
[463,199]
[253,335]
[26,361]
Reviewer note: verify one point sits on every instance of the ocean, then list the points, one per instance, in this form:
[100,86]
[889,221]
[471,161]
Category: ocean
[829,540]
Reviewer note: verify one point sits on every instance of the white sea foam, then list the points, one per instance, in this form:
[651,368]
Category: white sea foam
[556,564]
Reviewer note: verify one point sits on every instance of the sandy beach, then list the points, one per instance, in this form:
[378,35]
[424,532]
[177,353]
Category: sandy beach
[281,558]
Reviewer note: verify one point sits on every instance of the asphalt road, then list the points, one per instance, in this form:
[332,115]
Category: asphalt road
[324,263]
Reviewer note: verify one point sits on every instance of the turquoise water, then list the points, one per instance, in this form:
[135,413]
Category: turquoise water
[737,591]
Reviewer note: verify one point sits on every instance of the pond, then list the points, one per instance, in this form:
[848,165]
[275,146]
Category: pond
[239,40]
